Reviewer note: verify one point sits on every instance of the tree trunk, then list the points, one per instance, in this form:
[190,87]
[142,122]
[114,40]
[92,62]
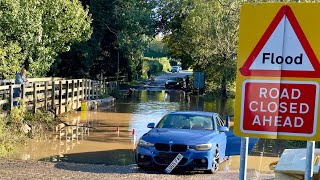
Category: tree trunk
[224,81]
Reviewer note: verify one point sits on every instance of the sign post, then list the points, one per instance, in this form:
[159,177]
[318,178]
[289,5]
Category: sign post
[309,157]
[278,77]
[243,158]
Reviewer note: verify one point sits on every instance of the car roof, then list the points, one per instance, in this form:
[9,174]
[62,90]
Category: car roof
[202,113]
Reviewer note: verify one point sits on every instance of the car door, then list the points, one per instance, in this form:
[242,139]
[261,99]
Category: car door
[222,136]
[234,144]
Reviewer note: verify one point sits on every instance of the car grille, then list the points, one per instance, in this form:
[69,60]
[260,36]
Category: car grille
[162,147]
[179,148]
[173,148]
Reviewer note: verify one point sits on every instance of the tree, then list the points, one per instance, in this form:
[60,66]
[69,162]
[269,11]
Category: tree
[119,27]
[156,48]
[34,32]
[204,36]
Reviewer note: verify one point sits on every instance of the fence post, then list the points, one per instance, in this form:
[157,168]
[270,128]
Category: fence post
[83,89]
[60,97]
[34,97]
[67,96]
[46,95]
[78,92]
[11,96]
[23,91]
[105,86]
[89,89]
[72,94]
[93,89]
[53,94]
[99,91]
[106,91]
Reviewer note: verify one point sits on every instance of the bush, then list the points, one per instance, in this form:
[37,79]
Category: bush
[41,122]
[156,65]
[13,127]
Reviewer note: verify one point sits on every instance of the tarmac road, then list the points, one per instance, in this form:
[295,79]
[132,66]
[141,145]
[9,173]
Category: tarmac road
[158,83]
[18,169]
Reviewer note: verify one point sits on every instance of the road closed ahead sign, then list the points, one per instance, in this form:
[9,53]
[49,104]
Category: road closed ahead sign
[278,79]
[286,108]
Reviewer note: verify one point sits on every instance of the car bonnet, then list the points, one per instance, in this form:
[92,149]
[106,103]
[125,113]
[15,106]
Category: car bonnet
[179,136]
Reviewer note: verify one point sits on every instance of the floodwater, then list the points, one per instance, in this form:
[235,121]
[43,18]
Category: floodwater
[101,143]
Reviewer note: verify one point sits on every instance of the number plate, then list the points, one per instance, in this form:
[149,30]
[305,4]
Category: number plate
[168,155]
[174,163]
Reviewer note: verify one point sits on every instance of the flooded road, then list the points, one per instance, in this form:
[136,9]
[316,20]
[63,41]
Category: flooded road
[101,143]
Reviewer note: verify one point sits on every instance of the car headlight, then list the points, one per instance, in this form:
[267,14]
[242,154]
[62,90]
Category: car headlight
[178,83]
[166,82]
[201,147]
[144,143]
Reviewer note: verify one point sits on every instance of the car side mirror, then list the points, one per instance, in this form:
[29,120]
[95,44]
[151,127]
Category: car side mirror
[227,121]
[151,125]
[223,129]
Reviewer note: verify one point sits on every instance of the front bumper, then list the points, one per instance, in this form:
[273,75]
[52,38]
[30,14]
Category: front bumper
[192,159]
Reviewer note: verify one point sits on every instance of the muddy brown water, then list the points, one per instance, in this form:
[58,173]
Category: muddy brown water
[102,145]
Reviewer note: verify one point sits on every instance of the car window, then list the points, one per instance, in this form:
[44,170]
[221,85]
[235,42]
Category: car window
[174,121]
[201,122]
[186,121]
[173,78]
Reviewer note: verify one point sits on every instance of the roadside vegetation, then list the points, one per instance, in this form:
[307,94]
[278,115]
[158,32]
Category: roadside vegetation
[20,125]
[93,39]
[90,39]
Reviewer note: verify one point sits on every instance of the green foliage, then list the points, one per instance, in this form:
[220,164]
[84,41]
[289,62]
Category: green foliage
[6,142]
[156,65]
[204,36]
[10,130]
[156,48]
[17,115]
[120,33]
[33,32]
[41,122]
[11,59]
[165,64]
[11,127]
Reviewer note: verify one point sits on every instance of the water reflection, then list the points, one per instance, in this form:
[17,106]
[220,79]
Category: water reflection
[103,145]
[150,106]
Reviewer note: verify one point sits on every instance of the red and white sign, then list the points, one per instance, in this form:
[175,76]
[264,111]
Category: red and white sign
[279,107]
[282,51]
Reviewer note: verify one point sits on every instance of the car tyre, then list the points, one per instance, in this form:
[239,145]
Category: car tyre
[215,162]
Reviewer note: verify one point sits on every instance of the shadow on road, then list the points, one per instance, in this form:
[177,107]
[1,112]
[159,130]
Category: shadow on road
[119,161]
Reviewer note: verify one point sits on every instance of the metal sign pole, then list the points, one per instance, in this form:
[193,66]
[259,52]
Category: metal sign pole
[243,158]
[309,160]
[198,84]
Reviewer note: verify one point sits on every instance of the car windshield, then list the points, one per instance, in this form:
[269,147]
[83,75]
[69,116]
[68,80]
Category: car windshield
[186,121]
[175,78]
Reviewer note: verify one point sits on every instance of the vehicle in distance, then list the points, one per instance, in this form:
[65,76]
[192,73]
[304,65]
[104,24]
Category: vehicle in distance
[175,82]
[198,136]
[176,69]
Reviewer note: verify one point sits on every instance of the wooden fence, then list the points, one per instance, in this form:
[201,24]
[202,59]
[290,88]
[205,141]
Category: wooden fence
[58,95]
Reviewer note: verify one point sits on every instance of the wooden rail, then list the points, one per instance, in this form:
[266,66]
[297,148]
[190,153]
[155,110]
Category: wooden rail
[59,95]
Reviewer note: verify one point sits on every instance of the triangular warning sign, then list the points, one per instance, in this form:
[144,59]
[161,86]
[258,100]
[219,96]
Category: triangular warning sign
[282,51]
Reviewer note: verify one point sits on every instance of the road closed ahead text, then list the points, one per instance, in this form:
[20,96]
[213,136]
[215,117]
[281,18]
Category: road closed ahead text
[279,107]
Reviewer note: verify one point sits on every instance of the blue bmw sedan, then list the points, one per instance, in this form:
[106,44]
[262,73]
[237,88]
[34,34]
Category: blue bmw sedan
[198,136]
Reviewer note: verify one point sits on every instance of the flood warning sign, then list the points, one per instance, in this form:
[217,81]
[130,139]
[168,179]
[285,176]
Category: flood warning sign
[279,107]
